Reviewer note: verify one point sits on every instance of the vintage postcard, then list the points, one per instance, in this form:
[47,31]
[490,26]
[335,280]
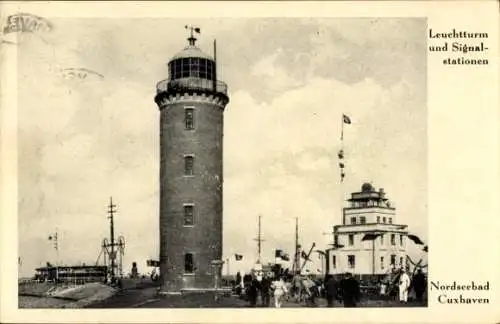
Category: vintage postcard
[250,162]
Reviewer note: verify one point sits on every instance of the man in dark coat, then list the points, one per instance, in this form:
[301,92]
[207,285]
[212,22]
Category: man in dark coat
[349,287]
[419,284]
[265,290]
[253,292]
[330,290]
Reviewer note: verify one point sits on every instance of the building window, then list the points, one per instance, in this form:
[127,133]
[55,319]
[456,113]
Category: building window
[188,165]
[382,263]
[378,219]
[363,220]
[353,220]
[188,215]
[334,261]
[351,239]
[393,239]
[401,240]
[188,263]
[351,261]
[382,239]
[384,220]
[393,260]
[189,118]
[390,220]
[401,262]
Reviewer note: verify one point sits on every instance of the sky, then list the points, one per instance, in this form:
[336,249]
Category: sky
[290,80]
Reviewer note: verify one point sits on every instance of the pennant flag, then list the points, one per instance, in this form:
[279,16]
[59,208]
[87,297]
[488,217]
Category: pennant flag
[278,253]
[50,237]
[370,236]
[341,154]
[425,249]
[341,165]
[238,257]
[342,176]
[415,239]
[346,119]
[197,30]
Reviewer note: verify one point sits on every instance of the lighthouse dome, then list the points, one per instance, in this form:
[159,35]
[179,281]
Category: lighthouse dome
[191,51]
[367,187]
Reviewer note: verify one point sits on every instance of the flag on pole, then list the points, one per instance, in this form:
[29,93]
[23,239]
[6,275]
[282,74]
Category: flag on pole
[238,257]
[346,119]
[415,239]
[370,236]
[304,255]
[285,257]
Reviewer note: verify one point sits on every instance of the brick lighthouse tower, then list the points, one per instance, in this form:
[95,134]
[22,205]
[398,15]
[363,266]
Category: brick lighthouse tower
[191,103]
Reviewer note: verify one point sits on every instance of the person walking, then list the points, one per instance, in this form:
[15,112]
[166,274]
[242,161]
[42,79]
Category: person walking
[404,285]
[265,286]
[280,290]
[419,285]
[253,292]
[350,292]
[330,290]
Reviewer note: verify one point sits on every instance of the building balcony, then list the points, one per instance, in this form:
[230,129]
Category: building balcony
[191,85]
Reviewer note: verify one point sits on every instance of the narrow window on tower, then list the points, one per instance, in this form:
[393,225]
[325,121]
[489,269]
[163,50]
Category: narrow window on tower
[382,263]
[334,261]
[378,219]
[188,263]
[401,240]
[353,220]
[189,215]
[363,220]
[189,165]
[382,239]
[393,239]
[393,260]
[336,240]
[189,118]
[401,262]
[351,239]
[390,220]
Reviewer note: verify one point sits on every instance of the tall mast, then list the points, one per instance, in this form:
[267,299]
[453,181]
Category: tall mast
[111,211]
[296,259]
[259,241]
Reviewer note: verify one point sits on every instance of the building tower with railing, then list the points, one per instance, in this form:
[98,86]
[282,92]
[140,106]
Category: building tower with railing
[191,103]
[369,241]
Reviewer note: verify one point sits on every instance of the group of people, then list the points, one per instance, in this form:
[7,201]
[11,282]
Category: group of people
[344,290]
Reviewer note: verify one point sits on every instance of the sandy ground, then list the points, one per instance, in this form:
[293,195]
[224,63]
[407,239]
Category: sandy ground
[48,296]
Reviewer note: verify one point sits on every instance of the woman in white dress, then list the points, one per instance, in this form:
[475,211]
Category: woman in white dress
[280,290]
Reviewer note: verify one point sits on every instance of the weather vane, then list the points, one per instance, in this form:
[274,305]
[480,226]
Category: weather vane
[193,30]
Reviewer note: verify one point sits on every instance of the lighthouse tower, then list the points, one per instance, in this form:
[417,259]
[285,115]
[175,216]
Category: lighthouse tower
[191,103]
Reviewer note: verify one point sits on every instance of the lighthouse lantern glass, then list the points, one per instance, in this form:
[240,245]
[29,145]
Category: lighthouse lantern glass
[191,67]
